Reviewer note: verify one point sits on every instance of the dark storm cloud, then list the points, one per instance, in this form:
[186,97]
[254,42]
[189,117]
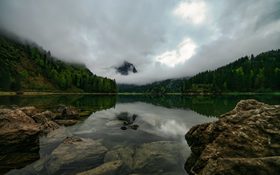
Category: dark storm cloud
[163,39]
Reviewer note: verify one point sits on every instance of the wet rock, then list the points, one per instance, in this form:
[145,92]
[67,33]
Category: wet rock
[16,127]
[19,139]
[134,127]
[128,120]
[149,158]
[109,168]
[29,110]
[49,115]
[66,122]
[68,112]
[45,124]
[245,140]
[56,136]
[126,117]
[86,152]
[123,128]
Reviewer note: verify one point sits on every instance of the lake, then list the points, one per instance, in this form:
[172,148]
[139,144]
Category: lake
[146,133]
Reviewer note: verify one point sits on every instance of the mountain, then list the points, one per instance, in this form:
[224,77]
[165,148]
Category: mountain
[126,68]
[247,74]
[27,67]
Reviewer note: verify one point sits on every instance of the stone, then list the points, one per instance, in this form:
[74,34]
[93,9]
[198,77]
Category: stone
[45,124]
[149,158]
[16,127]
[86,152]
[19,139]
[70,112]
[29,110]
[109,168]
[65,122]
[243,141]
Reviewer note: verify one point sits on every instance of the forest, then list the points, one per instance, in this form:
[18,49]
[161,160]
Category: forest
[259,73]
[27,67]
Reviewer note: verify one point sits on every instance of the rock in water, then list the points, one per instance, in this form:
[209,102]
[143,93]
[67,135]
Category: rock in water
[17,128]
[245,140]
[19,139]
[87,153]
[149,158]
[110,168]
[45,124]
[68,112]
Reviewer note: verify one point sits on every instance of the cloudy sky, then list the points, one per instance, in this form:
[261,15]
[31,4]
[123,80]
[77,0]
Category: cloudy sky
[162,38]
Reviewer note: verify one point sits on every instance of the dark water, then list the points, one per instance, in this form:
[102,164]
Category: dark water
[153,128]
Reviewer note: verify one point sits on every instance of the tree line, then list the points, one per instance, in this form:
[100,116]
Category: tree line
[259,73]
[26,66]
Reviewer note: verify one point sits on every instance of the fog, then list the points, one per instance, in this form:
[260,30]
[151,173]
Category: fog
[163,39]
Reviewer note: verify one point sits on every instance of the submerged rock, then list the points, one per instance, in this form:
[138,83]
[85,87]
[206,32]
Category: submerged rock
[66,122]
[72,156]
[245,140]
[86,152]
[149,158]
[109,168]
[68,112]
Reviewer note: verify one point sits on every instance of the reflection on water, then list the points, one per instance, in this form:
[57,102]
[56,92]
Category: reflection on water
[145,133]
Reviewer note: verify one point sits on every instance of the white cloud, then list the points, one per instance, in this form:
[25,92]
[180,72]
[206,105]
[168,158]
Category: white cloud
[102,34]
[191,11]
[184,51]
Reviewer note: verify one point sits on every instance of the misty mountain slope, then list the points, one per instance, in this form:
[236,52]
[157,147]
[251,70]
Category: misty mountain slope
[247,74]
[29,68]
[126,68]
[259,73]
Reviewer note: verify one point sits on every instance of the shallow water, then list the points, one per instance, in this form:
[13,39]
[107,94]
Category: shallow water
[152,127]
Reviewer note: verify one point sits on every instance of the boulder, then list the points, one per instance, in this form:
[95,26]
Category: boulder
[68,112]
[45,124]
[19,139]
[245,140]
[109,168]
[16,127]
[65,122]
[29,110]
[87,153]
[149,158]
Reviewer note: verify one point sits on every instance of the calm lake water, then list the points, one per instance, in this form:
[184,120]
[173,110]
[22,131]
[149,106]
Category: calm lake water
[146,132]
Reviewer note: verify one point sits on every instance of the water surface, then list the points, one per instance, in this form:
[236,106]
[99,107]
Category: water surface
[146,125]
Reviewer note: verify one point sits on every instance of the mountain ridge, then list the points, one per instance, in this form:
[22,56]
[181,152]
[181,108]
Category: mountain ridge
[27,67]
[259,73]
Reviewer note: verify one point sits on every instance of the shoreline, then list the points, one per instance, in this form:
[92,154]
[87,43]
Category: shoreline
[31,93]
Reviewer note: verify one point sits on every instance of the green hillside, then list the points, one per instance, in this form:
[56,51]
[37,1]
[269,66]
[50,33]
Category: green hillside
[26,67]
[247,74]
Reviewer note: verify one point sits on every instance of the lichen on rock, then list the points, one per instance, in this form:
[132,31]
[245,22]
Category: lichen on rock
[245,140]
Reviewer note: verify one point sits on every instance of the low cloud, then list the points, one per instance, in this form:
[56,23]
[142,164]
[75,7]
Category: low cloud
[163,39]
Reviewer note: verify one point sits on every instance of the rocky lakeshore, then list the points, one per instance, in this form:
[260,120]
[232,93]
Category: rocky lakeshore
[70,153]
[245,140]
[20,128]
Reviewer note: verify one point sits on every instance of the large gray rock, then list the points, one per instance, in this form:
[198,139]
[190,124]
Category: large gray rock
[109,168]
[151,158]
[245,140]
[86,152]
